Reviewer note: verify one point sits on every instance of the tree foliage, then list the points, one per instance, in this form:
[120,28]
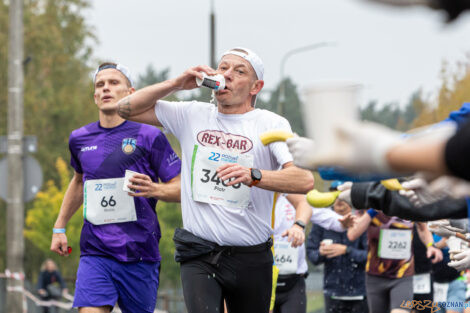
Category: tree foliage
[58,90]
[41,217]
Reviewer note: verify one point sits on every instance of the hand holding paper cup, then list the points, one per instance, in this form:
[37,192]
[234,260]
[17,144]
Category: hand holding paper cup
[127,176]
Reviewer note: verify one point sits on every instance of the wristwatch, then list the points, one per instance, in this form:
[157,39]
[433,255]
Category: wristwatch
[300,223]
[348,249]
[255,176]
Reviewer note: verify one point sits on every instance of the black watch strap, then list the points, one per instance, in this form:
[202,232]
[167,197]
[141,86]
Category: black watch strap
[300,223]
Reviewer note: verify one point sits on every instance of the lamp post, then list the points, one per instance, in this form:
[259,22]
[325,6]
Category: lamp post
[283,63]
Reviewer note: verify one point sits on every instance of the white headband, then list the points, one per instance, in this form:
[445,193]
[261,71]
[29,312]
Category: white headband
[121,68]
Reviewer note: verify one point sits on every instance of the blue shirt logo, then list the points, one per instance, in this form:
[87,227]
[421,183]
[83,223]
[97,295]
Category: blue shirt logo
[128,145]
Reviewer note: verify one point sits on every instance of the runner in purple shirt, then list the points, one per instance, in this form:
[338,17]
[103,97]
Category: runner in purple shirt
[119,259]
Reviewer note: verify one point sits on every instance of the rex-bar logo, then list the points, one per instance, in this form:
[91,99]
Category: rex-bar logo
[224,141]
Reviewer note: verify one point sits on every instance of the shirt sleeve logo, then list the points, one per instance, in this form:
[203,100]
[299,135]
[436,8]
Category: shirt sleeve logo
[128,145]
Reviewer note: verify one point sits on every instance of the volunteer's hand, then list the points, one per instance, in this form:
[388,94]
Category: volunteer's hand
[334,250]
[461,224]
[419,193]
[440,228]
[59,244]
[143,186]
[42,292]
[303,151]
[450,186]
[295,235]
[357,146]
[462,261]
[187,80]
[348,221]
[345,194]
[434,254]
[236,172]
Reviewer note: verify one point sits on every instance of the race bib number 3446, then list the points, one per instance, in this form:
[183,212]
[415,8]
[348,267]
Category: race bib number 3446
[208,187]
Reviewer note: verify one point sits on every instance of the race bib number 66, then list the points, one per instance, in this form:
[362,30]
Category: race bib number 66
[208,187]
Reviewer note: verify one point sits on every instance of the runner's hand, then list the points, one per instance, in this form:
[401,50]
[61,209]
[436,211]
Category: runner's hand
[241,174]
[348,221]
[434,254]
[462,261]
[187,80]
[144,186]
[302,150]
[59,244]
[296,235]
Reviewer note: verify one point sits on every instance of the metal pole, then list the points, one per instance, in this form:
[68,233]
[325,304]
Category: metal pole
[282,86]
[213,62]
[15,205]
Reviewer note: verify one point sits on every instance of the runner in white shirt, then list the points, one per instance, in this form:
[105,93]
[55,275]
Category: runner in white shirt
[291,261]
[224,247]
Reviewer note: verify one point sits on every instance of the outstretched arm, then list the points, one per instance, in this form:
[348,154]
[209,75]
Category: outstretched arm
[290,179]
[140,106]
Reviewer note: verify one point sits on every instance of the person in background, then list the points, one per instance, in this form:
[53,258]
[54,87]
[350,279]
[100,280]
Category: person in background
[50,283]
[344,279]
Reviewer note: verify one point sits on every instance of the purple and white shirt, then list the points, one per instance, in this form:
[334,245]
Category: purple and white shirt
[100,153]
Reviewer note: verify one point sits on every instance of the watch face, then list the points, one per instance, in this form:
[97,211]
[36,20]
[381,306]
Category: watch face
[255,174]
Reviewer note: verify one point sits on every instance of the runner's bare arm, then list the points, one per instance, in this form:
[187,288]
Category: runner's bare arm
[303,211]
[426,237]
[290,179]
[361,226]
[140,106]
[72,201]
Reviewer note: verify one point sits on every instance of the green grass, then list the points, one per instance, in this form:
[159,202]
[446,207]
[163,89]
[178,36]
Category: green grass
[315,301]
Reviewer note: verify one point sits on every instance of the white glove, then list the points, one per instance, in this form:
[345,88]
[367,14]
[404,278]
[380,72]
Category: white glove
[302,150]
[345,194]
[450,186]
[444,228]
[355,146]
[418,193]
[440,228]
[462,261]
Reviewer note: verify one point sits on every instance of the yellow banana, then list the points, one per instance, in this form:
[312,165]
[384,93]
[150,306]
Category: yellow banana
[274,135]
[392,184]
[322,199]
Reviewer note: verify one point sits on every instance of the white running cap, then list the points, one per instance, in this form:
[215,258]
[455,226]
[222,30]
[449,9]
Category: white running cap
[251,57]
[121,68]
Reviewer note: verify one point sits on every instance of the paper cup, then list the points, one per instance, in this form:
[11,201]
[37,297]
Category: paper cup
[327,242]
[326,105]
[127,176]
[455,246]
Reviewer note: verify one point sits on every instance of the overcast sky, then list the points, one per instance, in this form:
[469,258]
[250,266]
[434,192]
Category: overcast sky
[392,52]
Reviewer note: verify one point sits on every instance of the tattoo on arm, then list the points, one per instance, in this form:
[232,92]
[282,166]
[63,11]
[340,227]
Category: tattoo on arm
[124,107]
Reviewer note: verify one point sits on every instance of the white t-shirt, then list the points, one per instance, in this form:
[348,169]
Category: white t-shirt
[285,218]
[328,219]
[199,123]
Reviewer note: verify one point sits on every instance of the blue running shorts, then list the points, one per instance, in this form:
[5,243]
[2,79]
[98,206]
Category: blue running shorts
[104,281]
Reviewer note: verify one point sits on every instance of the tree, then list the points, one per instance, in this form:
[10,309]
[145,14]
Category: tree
[291,108]
[58,88]
[41,217]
